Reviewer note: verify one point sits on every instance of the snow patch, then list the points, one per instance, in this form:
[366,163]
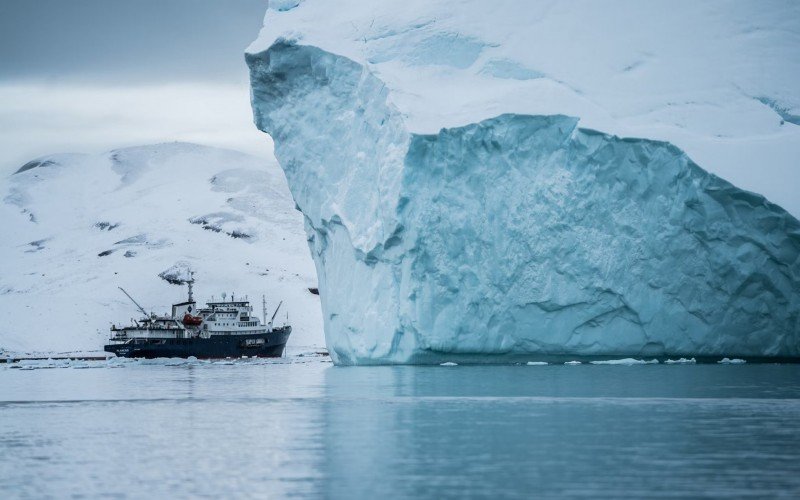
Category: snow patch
[442,49]
[504,68]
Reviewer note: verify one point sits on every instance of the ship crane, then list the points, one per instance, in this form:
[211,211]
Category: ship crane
[275,313]
[135,303]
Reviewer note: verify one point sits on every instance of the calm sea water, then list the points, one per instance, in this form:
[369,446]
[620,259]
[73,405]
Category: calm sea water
[299,427]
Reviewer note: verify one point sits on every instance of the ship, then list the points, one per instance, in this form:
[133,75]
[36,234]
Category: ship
[224,329]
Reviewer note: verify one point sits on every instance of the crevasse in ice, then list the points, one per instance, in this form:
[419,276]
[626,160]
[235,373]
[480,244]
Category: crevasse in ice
[518,235]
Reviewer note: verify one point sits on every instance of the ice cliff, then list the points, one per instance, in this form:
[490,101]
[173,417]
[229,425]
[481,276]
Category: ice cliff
[510,235]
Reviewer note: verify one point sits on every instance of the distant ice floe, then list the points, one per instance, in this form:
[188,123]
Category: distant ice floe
[626,362]
[729,361]
[39,364]
[681,361]
[81,365]
[536,363]
[573,363]
[116,362]
[449,363]
[44,364]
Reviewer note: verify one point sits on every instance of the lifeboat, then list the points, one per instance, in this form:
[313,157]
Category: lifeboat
[190,320]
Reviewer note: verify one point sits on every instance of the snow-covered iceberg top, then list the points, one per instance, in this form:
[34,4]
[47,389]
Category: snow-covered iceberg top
[716,79]
[514,234]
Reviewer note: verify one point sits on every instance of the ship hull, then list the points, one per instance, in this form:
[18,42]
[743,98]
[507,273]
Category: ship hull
[264,345]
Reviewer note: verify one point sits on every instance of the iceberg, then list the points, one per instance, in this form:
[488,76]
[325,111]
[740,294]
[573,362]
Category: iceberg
[516,236]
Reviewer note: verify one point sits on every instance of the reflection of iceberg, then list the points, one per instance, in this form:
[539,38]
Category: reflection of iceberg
[507,431]
[517,235]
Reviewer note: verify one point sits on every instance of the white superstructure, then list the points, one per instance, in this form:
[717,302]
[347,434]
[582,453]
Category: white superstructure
[226,317]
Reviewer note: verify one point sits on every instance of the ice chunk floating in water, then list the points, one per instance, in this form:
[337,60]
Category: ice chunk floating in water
[517,235]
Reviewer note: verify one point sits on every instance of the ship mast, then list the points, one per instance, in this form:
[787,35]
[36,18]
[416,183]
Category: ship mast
[190,282]
[264,308]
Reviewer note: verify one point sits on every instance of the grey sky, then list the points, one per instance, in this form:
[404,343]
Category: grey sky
[88,76]
[127,41]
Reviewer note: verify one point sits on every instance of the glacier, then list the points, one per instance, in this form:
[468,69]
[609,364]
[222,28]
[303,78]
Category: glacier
[514,235]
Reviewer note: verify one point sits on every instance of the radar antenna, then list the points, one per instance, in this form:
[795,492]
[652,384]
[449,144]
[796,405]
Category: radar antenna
[136,303]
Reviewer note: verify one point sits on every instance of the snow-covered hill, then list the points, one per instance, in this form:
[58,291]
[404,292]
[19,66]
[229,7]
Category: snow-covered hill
[75,227]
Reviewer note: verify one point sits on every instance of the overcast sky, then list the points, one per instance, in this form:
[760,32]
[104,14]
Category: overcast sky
[127,41]
[92,75]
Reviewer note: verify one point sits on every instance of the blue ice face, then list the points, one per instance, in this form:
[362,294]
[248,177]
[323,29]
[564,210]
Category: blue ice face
[518,235]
